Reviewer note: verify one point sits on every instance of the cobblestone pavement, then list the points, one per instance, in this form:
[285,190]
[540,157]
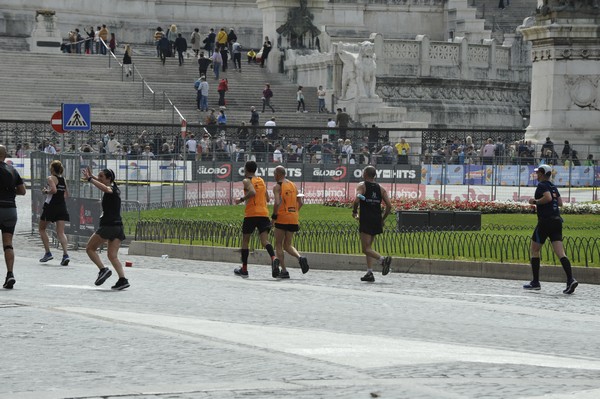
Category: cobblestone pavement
[189,329]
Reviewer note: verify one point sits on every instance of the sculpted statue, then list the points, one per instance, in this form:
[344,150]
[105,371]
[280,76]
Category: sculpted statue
[358,73]
[550,6]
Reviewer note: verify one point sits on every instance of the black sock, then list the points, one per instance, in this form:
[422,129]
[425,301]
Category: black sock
[245,253]
[270,250]
[567,266]
[535,268]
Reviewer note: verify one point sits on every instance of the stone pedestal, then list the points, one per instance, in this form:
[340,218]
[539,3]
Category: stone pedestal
[46,37]
[565,93]
[275,14]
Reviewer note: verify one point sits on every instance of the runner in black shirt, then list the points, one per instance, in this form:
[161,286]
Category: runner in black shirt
[547,201]
[111,228]
[11,185]
[55,211]
[369,196]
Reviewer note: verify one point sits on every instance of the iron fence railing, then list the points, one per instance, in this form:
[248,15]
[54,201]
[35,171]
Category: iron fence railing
[343,238]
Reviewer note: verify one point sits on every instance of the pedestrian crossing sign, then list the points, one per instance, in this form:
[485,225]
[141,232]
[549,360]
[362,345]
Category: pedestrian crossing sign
[76,117]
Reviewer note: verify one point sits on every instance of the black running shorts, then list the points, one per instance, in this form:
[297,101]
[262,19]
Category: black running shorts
[287,227]
[262,223]
[8,220]
[111,232]
[52,213]
[548,228]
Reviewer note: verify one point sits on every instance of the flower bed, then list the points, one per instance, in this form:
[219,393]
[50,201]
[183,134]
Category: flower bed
[485,207]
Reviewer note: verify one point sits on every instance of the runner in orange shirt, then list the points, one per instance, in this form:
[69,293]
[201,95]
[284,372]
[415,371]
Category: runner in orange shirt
[285,215]
[256,216]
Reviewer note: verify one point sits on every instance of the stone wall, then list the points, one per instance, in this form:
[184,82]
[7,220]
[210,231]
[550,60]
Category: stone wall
[446,84]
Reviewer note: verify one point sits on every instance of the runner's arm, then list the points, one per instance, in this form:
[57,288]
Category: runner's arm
[360,190]
[250,192]
[277,198]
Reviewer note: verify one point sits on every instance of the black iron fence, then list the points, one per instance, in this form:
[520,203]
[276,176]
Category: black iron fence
[343,238]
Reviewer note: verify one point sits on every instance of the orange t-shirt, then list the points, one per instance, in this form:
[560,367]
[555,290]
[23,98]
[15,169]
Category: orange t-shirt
[288,208]
[257,205]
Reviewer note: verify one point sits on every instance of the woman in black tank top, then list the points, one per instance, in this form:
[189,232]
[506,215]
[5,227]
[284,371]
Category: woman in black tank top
[111,228]
[55,211]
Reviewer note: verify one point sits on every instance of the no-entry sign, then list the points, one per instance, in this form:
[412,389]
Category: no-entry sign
[56,122]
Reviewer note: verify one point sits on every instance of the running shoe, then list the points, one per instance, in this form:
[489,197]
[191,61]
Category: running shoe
[303,264]
[368,277]
[103,274]
[122,283]
[571,285]
[284,275]
[534,286]
[275,267]
[9,282]
[387,261]
[65,260]
[48,256]
[240,272]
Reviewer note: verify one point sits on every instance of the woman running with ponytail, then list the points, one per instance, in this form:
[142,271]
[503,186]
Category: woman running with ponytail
[111,227]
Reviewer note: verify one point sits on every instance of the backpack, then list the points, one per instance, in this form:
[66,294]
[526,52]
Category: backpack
[197,85]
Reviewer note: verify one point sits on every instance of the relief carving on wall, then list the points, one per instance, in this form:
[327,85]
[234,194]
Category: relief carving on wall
[560,6]
[458,94]
[584,91]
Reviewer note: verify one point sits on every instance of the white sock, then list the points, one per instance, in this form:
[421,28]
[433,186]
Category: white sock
[381,260]
[370,270]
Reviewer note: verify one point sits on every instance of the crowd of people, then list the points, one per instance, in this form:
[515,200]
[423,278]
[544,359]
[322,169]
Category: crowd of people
[457,152]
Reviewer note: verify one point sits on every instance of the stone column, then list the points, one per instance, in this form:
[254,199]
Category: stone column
[565,92]
[275,13]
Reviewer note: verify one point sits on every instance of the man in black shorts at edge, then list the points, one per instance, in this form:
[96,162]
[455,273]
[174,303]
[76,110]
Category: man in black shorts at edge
[369,196]
[11,185]
[256,216]
[547,201]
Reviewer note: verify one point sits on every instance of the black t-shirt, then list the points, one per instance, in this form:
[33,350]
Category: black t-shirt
[549,210]
[9,180]
[111,208]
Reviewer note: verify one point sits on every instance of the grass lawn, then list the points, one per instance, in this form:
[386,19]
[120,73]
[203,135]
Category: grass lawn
[506,238]
[573,223]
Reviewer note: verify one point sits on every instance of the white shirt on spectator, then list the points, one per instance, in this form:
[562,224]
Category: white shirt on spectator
[50,149]
[277,155]
[191,145]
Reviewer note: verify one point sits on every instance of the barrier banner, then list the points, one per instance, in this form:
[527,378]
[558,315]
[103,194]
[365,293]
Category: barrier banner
[476,175]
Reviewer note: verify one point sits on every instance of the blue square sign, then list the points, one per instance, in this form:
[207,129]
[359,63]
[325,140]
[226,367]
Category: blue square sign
[76,117]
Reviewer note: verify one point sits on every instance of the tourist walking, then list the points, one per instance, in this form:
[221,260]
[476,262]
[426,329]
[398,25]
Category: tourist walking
[256,217]
[369,196]
[222,89]
[127,61]
[217,61]
[157,36]
[236,51]
[321,94]
[203,64]
[12,185]
[113,43]
[180,46]
[300,100]
[111,227]
[195,40]
[55,211]
[547,201]
[285,217]
[267,94]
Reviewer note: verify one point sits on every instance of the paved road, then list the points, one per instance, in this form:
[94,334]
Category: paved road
[188,329]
